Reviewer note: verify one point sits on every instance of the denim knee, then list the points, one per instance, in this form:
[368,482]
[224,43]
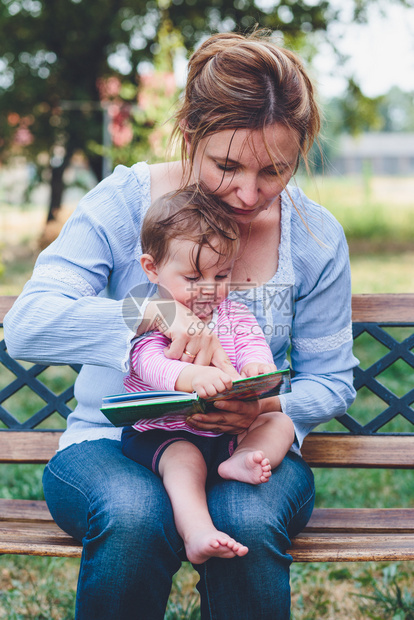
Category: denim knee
[263,517]
[134,517]
[248,519]
[93,491]
[278,509]
[121,513]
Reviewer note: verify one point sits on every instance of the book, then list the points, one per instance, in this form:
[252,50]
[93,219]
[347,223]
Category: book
[126,409]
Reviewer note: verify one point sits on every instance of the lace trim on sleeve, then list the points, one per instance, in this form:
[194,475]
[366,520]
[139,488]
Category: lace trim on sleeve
[66,276]
[325,343]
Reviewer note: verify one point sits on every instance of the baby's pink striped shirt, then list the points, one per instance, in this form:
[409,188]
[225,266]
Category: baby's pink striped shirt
[240,336]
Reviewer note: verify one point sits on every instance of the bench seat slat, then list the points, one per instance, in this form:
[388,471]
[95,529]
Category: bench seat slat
[332,534]
[32,531]
[305,548]
[36,447]
[24,510]
[359,520]
[383,308]
[352,547]
[46,545]
[353,520]
[346,450]
[319,450]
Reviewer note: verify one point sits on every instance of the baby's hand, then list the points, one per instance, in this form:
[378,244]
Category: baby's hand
[210,380]
[257,368]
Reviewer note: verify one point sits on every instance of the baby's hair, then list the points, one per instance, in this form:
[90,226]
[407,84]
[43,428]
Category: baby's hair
[192,215]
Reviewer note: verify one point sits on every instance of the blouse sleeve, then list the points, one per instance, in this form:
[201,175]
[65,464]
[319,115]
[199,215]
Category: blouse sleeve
[321,353]
[63,315]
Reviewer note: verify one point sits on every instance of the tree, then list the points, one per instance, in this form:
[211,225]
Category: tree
[52,54]
[55,56]
[397,110]
[354,112]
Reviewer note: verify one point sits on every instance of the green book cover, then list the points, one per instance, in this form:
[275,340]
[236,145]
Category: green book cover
[126,409]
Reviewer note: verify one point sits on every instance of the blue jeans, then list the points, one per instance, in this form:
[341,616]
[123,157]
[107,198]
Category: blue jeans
[131,549]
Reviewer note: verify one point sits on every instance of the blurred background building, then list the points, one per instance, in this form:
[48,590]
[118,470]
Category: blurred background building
[382,153]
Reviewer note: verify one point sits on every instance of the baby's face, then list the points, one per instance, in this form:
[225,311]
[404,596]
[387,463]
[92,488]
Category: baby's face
[200,292]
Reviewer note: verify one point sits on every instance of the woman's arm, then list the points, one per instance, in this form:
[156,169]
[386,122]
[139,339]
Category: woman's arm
[321,352]
[72,310]
[63,314]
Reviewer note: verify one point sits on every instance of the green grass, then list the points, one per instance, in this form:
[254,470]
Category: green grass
[15,274]
[354,591]
[375,211]
[382,272]
[37,588]
[392,597]
[380,230]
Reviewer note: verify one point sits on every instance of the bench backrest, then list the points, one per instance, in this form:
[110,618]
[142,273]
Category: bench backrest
[359,445]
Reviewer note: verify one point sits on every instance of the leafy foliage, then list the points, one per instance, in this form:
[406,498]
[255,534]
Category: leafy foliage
[55,56]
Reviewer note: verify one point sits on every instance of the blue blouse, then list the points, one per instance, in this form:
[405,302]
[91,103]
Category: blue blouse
[83,303]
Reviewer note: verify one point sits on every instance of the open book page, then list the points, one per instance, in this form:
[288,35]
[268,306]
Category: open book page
[260,386]
[125,409]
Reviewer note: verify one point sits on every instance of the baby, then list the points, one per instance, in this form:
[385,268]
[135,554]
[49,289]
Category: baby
[189,247]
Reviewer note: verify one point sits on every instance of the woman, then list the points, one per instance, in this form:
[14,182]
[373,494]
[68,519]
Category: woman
[247,118]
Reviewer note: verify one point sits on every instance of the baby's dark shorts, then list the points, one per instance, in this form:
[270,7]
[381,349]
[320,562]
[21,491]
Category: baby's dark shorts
[147,448]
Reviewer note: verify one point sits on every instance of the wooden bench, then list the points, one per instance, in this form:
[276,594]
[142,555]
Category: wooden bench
[337,534]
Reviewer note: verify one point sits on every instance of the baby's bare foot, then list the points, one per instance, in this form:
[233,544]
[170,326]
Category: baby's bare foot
[205,544]
[251,467]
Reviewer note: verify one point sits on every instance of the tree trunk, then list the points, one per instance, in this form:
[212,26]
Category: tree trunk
[57,187]
[53,224]
[95,163]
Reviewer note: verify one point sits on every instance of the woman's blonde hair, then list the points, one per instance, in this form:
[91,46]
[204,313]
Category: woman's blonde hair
[247,82]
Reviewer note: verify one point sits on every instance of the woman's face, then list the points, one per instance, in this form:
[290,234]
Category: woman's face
[235,165]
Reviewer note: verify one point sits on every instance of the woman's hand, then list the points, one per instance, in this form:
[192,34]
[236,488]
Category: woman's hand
[191,340]
[231,416]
